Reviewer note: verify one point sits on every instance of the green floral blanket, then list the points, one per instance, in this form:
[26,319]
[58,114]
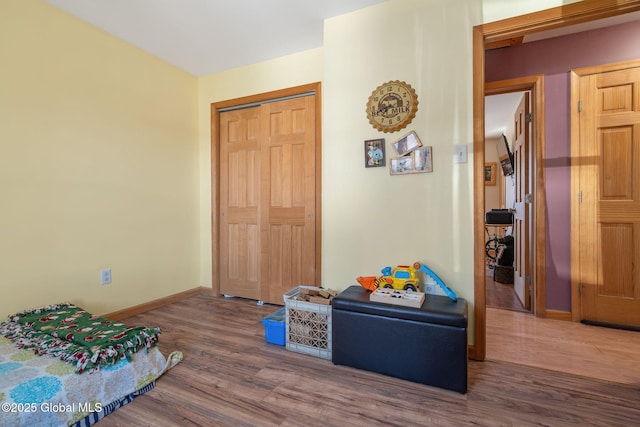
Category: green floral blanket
[76,336]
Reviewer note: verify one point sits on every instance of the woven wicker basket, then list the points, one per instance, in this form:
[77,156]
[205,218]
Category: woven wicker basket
[503,274]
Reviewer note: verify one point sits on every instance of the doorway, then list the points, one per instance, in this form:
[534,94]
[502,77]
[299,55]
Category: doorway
[505,33]
[524,132]
[506,248]
[266,172]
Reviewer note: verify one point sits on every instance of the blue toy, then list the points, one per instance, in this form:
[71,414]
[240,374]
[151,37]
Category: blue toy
[450,293]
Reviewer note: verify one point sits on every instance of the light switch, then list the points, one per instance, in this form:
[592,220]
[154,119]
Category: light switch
[460,153]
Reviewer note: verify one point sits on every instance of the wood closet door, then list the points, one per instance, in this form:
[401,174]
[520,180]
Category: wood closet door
[288,196]
[267,199]
[240,203]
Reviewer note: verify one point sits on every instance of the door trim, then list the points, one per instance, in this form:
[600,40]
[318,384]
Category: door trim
[215,170]
[576,74]
[498,31]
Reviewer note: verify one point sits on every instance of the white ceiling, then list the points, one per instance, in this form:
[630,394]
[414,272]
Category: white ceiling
[499,111]
[209,36]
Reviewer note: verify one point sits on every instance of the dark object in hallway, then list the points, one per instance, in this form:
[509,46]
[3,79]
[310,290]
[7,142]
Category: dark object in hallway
[499,216]
[505,255]
[503,274]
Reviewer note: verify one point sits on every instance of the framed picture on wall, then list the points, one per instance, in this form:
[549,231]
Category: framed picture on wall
[401,165]
[490,173]
[422,160]
[374,153]
[407,143]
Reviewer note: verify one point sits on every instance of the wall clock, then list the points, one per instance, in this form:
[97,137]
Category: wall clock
[392,106]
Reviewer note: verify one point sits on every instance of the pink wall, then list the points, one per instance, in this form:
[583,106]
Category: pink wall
[555,58]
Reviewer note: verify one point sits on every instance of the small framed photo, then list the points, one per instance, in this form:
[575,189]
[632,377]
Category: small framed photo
[422,160]
[401,165]
[374,153]
[407,143]
[490,174]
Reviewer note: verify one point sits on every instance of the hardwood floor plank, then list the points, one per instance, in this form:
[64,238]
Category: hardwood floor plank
[231,377]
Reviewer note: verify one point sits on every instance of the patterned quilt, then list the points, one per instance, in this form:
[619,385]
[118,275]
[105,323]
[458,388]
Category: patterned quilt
[40,380]
[44,391]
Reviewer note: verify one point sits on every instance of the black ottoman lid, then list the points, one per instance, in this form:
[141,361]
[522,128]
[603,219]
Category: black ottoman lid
[436,309]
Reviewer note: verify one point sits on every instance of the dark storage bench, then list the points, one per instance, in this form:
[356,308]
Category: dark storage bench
[427,345]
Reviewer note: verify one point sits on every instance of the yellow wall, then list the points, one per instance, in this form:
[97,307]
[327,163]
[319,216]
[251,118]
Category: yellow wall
[372,219]
[495,10]
[98,166]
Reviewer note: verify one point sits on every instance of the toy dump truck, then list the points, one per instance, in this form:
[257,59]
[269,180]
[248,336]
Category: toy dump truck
[403,278]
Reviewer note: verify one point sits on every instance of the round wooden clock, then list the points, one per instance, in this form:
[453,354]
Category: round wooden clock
[392,106]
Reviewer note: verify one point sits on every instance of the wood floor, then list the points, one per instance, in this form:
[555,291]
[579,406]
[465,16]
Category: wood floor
[563,346]
[514,335]
[501,295]
[231,377]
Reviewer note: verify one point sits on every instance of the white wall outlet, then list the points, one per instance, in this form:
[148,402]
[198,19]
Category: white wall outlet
[460,153]
[105,276]
[429,286]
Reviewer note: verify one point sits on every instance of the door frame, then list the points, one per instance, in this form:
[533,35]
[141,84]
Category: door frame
[537,239]
[215,170]
[503,32]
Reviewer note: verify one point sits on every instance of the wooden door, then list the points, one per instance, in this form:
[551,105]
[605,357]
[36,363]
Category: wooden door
[609,197]
[288,196]
[267,199]
[522,217]
[240,151]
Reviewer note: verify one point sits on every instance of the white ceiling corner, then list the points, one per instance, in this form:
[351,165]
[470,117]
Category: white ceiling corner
[209,36]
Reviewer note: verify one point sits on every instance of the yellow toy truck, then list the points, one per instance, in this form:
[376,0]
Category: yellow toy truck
[403,277]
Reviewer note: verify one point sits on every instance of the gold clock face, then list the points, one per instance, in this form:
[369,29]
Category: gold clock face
[392,106]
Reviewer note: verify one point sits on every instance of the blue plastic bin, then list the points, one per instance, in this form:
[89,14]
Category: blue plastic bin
[274,326]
